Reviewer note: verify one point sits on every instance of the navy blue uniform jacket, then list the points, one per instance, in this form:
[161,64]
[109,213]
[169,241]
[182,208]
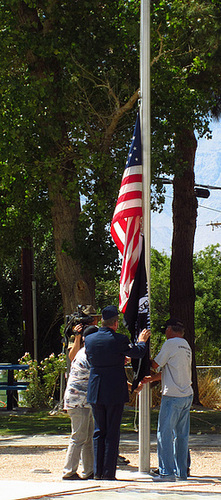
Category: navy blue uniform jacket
[106,351]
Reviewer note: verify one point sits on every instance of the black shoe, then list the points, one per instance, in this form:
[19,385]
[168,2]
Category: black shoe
[97,477]
[155,471]
[122,460]
[71,478]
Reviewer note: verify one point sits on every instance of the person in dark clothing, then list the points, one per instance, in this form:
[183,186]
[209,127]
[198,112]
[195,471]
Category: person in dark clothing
[107,387]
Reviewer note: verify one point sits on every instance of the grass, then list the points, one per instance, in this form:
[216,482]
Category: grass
[41,422]
[202,421]
[31,423]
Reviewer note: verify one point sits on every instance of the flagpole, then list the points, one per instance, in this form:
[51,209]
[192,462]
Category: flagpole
[144,398]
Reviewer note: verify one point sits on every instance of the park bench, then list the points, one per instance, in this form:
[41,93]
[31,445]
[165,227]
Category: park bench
[12,386]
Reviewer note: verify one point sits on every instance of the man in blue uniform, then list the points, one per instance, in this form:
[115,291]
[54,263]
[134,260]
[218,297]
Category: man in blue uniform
[107,388]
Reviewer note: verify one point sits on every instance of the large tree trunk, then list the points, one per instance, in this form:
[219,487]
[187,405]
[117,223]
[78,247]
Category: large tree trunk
[182,292]
[75,288]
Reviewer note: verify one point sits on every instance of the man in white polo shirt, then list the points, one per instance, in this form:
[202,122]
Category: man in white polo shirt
[174,360]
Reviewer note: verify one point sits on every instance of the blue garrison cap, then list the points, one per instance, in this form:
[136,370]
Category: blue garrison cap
[109,312]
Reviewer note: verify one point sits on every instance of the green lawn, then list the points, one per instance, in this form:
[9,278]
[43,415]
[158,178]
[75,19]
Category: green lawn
[202,421]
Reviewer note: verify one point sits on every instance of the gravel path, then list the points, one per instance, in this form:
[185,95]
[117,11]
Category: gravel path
[40,463]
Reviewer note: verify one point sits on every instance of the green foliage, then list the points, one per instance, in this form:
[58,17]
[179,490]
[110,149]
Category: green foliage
[43,380]
[185,43]
[61,80]
[67,70]
[11,338]
[107,292]
[207,278]
[207,272]
[160,289]
[49,303]
[48,298]
[207,282]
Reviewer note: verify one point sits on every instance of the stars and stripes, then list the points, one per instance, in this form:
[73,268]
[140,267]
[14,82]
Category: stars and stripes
[125,227]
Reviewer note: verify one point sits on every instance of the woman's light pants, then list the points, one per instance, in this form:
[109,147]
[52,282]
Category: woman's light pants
[81,442]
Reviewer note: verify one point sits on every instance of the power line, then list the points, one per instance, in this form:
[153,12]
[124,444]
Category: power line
[169,181]
[201,206]
[209,208]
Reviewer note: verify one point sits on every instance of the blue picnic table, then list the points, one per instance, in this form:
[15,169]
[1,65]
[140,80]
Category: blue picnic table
[12,386]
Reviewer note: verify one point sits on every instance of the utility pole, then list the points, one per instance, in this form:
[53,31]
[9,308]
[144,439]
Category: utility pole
[214,224]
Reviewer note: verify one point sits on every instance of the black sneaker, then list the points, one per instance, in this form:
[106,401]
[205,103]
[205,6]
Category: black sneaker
[122,460]
[155,471]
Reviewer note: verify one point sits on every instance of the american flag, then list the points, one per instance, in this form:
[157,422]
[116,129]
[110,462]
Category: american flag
[125,226]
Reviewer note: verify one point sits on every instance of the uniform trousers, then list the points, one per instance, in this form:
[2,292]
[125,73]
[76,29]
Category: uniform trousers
[81,442]
[107,420]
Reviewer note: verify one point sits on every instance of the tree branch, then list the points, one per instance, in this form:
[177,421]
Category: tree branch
[116,116]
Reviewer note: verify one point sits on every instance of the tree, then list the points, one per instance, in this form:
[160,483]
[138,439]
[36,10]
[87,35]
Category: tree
[63,93]
[66,98]
[182,292]
[189,38]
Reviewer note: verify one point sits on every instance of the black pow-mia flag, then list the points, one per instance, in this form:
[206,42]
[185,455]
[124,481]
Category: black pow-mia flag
[137,317]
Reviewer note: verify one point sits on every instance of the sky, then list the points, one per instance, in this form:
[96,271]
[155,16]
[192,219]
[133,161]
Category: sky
[207,172]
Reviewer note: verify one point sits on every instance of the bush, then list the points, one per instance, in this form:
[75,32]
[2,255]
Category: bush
[43,380]
[209,391]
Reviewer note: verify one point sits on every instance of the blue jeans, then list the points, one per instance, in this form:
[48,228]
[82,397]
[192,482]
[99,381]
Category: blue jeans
[173,435]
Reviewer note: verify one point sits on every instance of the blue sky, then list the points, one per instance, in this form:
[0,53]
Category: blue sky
[207,172]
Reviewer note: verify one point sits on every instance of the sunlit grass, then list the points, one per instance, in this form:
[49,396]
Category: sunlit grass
[32,423]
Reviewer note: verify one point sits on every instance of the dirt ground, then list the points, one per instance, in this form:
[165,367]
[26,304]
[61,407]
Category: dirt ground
[41,463]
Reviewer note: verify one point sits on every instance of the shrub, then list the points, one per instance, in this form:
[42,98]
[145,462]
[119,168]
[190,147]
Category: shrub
[43,380]
[209,391]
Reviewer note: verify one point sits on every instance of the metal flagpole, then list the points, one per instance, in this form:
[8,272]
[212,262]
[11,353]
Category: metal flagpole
[144,398]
